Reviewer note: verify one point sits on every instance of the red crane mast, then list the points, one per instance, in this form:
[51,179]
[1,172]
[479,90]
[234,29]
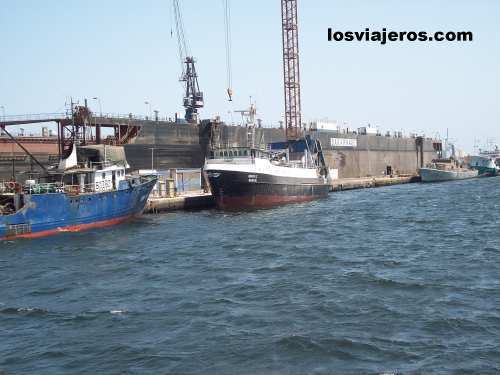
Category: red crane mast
[291,69]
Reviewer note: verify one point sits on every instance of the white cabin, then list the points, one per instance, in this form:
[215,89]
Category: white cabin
[109,178]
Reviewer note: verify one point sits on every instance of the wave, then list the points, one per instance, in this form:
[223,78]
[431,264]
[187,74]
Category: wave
[31,311]
[48,291]
[448,325]
[117,311]
[341,348]
[385,282]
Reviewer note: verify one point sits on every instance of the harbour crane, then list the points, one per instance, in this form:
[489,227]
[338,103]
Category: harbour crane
[291,68]
[193,97]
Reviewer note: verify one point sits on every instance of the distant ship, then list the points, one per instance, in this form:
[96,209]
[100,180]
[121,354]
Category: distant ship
[485,165]
[74,197]
[445,170]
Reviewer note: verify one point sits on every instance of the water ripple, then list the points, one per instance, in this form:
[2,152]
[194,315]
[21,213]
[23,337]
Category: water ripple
[402,279]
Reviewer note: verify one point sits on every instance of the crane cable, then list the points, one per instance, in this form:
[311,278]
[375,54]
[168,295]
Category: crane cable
[179,31]
[227,26]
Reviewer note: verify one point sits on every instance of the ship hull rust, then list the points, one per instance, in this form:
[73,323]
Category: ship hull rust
[52,213]
[239,190]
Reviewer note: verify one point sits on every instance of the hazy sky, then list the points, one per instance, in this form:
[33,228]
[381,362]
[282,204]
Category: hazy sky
[122,52]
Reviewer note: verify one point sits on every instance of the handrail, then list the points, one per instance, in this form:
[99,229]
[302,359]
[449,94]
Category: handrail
[34,116]
[63,116]
[44,188]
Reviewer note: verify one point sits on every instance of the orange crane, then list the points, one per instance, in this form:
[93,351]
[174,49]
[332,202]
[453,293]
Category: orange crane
[291,68]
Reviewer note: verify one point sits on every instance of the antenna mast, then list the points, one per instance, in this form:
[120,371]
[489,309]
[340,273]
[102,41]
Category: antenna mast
[291,69]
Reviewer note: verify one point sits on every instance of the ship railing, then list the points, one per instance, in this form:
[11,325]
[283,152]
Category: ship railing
[43,188]
[130,116]
[57,187]
[85,189]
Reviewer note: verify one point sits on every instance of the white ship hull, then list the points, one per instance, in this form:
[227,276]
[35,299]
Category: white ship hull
[436,175]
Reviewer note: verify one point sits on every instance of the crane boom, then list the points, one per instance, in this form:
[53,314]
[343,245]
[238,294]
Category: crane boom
[291,68]
[193,97]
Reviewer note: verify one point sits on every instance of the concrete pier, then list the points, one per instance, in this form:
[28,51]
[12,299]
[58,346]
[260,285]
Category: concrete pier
[191,201]
[371,182]
[201,200]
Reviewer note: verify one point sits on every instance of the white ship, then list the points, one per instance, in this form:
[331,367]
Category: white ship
[446,170]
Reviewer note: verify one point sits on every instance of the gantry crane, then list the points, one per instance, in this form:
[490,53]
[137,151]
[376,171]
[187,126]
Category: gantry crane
[291,68]
[193,97]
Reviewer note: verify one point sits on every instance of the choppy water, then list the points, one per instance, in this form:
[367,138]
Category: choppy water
[404,279]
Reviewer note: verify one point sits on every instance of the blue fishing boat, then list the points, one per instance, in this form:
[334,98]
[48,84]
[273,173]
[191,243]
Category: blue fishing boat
[73,197]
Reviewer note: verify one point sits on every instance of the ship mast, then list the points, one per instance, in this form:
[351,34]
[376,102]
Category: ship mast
[291,69]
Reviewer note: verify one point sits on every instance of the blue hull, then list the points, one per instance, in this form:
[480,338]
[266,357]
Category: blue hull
[46,214]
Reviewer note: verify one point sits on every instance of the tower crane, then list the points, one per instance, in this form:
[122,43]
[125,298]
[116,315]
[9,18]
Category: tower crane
[291,68]
[193,97]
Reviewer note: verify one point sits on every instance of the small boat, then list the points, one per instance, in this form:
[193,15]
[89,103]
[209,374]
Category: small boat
[73,197]
[446,170]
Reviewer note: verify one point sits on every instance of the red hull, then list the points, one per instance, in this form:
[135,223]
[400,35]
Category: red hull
[262,201]
[73,228]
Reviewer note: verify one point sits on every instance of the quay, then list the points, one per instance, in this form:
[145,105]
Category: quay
[371,182]
[201,200]
[190,201]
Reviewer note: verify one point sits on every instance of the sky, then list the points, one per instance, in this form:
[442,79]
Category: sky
[122,51]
